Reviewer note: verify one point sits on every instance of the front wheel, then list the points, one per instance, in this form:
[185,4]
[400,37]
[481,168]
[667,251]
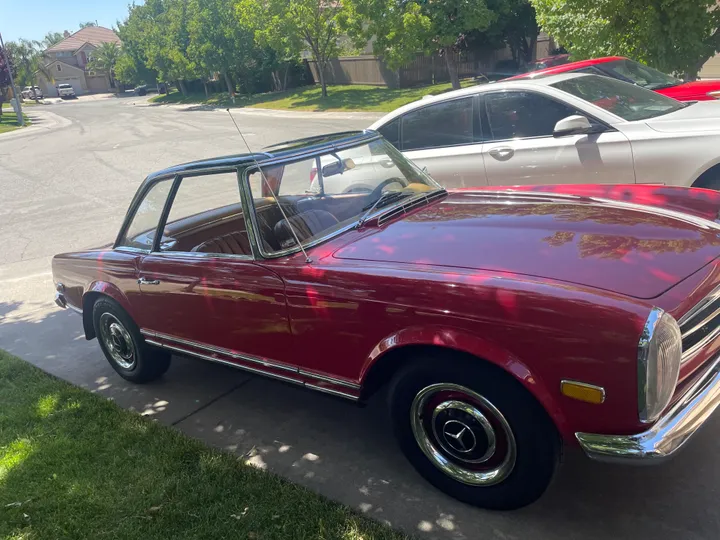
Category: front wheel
[474,432]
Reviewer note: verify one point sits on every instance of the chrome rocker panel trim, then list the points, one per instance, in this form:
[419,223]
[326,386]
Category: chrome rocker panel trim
[669,434]
[158,339]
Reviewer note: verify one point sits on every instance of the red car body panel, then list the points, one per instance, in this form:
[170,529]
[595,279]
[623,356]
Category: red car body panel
[687,91]
[425,280]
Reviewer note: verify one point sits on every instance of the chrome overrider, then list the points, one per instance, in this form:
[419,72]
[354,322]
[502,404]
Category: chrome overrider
[668,434]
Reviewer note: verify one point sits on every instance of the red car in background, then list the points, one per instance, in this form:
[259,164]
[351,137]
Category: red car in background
[634,72]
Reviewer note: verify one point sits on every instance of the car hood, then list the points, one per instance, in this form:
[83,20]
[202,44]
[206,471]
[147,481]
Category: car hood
[700,116]
[691,90]
[635,250]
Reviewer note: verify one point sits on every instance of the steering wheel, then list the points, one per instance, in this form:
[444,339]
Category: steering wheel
[382,185]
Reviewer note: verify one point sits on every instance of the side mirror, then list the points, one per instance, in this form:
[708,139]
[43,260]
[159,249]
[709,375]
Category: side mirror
[572,125]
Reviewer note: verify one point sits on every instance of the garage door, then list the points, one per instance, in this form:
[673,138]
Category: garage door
[76,83]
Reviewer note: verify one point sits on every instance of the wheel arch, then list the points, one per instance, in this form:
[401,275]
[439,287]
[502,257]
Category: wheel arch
[397,351]
[707,175]
[96,291]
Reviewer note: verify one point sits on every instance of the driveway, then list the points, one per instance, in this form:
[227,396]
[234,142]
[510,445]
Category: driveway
[68,186]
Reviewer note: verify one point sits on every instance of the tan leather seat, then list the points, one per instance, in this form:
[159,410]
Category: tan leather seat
[234,243]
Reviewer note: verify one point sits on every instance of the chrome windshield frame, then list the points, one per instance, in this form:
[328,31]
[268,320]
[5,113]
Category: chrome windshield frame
[246,194]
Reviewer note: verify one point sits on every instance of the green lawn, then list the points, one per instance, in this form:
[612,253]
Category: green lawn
[8,121]
[74,465]
[308,98]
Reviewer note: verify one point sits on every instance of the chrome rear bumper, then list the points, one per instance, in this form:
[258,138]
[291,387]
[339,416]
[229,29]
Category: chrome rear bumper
[668,434]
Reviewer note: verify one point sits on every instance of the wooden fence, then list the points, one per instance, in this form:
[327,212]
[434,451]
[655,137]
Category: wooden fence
[424,69]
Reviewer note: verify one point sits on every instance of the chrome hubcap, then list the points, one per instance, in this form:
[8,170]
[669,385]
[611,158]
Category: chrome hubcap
[117,340]
[463,434]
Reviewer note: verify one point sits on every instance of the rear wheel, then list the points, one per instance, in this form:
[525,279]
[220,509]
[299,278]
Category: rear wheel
[474,432]
[124,346]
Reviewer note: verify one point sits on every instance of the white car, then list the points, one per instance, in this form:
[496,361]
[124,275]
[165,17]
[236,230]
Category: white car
[568,128]
[65,91]
[32,92]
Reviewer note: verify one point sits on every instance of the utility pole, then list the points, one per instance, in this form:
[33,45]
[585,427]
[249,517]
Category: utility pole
[12,83]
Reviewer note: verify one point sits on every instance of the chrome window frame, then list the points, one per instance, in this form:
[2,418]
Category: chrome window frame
[314,154]
[177,177]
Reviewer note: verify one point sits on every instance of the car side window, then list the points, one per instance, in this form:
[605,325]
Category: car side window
[514,115]
[140,232]
[449,123]
[206,216]
[391,132]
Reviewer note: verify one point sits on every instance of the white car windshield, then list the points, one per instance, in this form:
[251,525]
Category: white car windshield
[625,100]
[310,199]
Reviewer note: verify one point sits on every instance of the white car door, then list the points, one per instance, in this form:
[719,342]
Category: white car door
[521,148]
[443,138]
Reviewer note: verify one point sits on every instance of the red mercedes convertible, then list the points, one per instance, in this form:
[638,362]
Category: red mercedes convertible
[505,322]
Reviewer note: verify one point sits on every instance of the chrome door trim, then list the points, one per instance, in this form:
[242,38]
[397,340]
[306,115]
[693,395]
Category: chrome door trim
[220,350]
[151,338]
[223,362]
[332,380]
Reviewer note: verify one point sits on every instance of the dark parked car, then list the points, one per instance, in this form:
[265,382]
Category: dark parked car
[503,321]
[141,90]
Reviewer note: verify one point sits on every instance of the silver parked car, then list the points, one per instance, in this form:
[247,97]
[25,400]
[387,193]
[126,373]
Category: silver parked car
[562,129]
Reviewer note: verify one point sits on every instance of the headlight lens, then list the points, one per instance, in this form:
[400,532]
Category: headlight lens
[659,354]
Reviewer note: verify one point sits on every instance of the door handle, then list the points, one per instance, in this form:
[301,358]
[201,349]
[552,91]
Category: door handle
[502,153]
[143,281]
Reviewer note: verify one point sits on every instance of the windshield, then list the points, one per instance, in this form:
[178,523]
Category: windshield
[625,100]
[308,200]
[639,74]
[64,86]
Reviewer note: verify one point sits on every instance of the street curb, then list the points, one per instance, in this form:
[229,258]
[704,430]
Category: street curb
[258,111]
[41,121]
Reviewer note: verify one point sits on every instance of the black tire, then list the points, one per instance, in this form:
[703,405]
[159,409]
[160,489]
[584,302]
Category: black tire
[123,345]
[537,444]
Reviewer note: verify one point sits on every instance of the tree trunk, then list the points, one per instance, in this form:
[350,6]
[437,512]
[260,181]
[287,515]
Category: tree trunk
[181,85]
[207,94]
[452,67]
[532,52]
[285,76]
[321,72]
[275,80]
[229,84]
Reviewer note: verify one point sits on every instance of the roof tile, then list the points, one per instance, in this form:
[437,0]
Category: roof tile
[90,34]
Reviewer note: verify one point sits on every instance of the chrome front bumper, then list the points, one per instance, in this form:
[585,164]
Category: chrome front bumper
[668,434]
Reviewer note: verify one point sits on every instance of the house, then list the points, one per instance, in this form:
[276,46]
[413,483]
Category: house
[67,62]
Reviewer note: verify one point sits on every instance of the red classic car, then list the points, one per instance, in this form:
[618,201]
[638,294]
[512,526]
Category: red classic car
[504,321]
[634,72]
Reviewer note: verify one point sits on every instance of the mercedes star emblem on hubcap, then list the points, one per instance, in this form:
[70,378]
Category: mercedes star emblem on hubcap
[459,436]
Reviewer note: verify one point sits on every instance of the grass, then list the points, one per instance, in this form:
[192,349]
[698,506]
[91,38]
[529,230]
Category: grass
[308,98]
[8,121]
[74,465]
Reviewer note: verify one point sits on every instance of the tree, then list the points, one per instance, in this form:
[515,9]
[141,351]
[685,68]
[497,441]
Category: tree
[86,24]
[403,28]
[28,59]
[520,30]
[50,39]
[218,44]
[5,77]
[104,58]
[290,26]
[676,36]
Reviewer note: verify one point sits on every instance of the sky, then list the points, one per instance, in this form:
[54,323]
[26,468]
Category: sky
[32,20]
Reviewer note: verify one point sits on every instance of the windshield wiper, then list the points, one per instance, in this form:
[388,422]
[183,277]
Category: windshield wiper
[387,197]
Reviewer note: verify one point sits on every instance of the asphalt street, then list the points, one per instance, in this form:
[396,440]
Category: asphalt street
[66,183]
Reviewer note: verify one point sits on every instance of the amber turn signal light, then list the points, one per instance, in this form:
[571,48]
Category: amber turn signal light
[583,391]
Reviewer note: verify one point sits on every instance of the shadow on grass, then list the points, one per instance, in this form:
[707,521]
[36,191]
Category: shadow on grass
[340,98]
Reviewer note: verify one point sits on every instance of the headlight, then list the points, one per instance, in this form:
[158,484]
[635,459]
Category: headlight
[659,355]
[715,94]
